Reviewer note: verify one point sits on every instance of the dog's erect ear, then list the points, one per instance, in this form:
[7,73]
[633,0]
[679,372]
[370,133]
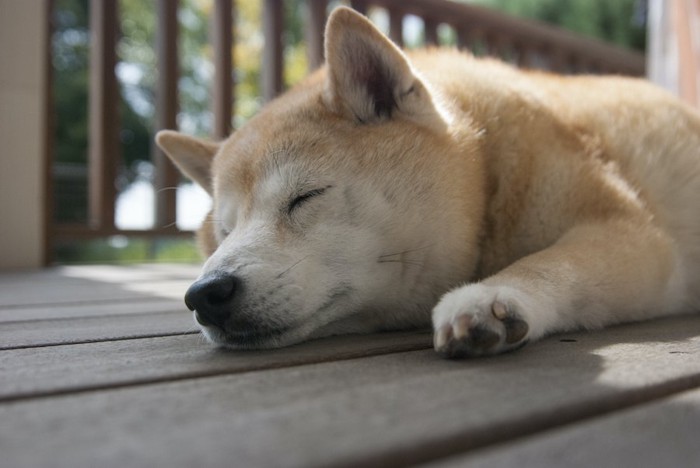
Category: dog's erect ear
[369,78]
[193,156]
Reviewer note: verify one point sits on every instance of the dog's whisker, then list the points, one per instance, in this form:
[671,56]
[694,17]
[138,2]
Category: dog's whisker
[166,226]
[406,251]
[290,268]
[163,189]
[407,262]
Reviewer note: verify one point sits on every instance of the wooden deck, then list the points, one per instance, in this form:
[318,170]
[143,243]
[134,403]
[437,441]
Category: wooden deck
[102,366]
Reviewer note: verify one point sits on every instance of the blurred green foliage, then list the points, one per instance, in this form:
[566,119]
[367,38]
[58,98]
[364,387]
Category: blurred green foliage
[120,249]
[621,22]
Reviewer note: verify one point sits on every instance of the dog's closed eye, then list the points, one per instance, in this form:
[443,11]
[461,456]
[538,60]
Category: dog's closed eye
[303,198]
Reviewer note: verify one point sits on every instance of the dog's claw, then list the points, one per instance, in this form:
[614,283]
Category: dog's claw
[499,310]
[516,328]
[442,336]
[460,328]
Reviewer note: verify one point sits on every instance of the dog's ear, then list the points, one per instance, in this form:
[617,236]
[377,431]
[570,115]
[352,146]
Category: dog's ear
[369,78]
[193,156]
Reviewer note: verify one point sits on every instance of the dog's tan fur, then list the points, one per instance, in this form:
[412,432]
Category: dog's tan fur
[541,203]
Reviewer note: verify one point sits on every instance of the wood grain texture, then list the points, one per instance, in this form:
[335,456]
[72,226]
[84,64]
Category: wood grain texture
[660,434]
[375,411]
[97,374]
[95,283]
[29,373]
[15,335]
[91,309]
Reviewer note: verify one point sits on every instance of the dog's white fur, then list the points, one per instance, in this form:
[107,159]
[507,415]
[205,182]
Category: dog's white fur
[512,204]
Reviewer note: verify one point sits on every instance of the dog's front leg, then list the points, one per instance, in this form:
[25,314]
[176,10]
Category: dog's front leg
[595,275]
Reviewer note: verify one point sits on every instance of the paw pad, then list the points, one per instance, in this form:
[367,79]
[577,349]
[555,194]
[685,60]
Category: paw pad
[481,332]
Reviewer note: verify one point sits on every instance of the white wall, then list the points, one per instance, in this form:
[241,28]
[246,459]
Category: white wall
[674,47]
[22,75]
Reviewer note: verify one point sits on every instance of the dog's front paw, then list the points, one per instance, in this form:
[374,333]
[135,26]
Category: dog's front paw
[478,320]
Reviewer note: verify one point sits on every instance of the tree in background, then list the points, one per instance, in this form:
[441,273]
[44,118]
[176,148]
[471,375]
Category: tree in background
[621,22]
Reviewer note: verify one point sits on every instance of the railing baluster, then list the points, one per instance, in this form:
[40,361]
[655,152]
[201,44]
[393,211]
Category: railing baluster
[167,177]
[534,45]
[396,26]
[103,115]
[464,38]
[359,5]
[223,96]
[430,30]
[315,25]
[273,63]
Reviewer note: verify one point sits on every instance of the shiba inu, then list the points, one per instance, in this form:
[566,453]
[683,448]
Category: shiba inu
[392,189]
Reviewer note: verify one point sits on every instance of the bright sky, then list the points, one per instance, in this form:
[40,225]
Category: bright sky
[135,206]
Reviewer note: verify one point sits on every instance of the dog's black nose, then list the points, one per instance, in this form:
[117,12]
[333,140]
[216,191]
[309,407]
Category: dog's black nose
[212,296]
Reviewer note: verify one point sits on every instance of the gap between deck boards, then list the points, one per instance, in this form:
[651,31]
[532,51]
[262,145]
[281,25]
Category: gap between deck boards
[427,449]
[97,340]
[552,352]
[314,352]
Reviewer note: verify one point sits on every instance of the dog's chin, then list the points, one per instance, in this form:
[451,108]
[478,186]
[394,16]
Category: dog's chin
[250,340]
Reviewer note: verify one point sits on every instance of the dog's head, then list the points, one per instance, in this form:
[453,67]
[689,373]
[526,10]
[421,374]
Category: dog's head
[342,207]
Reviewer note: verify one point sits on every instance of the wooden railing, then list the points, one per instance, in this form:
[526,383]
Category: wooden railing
[525,43]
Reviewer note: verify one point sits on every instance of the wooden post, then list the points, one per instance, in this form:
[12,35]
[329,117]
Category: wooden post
[272,72]
[464,38]
[223,96]
[430,30]
[167,177]
[359,5]
[103,151]
[25,134]
[315,25]
[396,27]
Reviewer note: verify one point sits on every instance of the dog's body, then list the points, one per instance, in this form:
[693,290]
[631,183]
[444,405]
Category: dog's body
[511,204]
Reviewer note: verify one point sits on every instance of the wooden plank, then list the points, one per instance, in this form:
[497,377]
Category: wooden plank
[90,309]
[103,151]
[273,62]
[99,283]
[222,39]
[663,433]
[167,176]
[19,335]
[79,291]
[101,273]
[377,411]
[30,373]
